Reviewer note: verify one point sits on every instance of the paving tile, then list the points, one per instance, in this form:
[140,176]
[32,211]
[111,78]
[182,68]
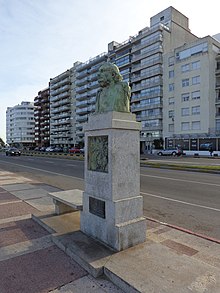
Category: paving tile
[38,272]
[47,187]
[42,204]
[19,186]
[151,224]
[64,223]
[88,284]
[180,248]
[15,209]
[30,193]
[162,230]
[6,197]
[15,232]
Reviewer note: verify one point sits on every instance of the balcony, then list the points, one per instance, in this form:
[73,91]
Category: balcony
[145,107]
[81,97]
[81,118]
[82,89]
[59,77]
[81,104]
[150,62]
[137,77]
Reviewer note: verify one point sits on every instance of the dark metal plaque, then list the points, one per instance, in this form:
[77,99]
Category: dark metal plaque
[98,153]
[97,207]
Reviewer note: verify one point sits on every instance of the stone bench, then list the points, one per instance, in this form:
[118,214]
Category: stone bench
[67,201]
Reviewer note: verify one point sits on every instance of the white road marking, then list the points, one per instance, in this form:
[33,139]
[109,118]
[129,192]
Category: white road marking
[182,180]
[180,201]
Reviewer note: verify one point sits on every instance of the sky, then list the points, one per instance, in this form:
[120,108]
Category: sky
[40,39]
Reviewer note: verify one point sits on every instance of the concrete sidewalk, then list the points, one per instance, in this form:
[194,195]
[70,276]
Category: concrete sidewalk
[42,252]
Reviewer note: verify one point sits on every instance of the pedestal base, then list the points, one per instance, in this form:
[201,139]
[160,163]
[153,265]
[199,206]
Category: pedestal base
[119,224]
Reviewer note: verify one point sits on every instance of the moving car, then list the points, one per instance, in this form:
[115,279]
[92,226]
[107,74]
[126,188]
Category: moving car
[12,152]
[170,152]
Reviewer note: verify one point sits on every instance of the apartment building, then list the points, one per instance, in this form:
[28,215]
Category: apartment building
[42,118]
[86,86]
[62,108]
[140,60]
[191,96]
[20,126]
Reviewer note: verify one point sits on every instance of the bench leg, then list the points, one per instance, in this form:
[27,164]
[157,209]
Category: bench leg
[61,208]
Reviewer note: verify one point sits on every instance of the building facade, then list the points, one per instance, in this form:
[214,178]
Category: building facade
[191,99]
[140,60]
[20,126]
[42,118]
[86,87]
[62,109]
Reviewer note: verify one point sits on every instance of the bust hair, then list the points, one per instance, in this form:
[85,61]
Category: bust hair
[107,66]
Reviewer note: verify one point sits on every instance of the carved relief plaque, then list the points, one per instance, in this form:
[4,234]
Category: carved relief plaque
[98,153]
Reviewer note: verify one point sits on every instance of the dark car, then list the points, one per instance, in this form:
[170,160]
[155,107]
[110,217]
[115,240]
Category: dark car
[12,152]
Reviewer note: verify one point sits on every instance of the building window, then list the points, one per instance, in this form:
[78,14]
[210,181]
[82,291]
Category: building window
[171,101]
[196,125]
[185,97]
[171,127]
[196,79]
[184,126]
[171,61]
[171,87]
[196,110]
[185,68]
[196,95]
[171,113]
[185,111]
[195,65]
[185,82]
[171,73]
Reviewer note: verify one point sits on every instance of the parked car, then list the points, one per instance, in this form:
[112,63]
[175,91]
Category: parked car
[42,149]
[170,152]
[74,150]
[49,149]
[12,152]
[82,151]
[58,150]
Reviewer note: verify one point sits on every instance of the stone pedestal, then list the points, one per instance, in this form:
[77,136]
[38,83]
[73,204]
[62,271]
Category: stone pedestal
[112,205]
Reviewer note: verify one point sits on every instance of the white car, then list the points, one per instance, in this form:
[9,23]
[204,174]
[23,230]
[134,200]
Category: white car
[170,152]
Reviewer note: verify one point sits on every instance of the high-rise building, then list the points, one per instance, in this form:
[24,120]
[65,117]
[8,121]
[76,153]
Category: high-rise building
[86,88]
[140,60]
[20,125]
[62,108]
[42,118]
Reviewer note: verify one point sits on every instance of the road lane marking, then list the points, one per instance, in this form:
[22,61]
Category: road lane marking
[180,201]
[42,170]
[181,162]
[182,180]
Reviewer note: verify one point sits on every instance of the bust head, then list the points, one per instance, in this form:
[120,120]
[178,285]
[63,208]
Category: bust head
[108,73]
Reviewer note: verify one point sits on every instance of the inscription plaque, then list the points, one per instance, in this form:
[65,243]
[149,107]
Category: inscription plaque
[98,153]
[97,207]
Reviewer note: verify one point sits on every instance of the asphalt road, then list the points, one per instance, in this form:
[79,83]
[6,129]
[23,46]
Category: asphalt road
[190,200]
